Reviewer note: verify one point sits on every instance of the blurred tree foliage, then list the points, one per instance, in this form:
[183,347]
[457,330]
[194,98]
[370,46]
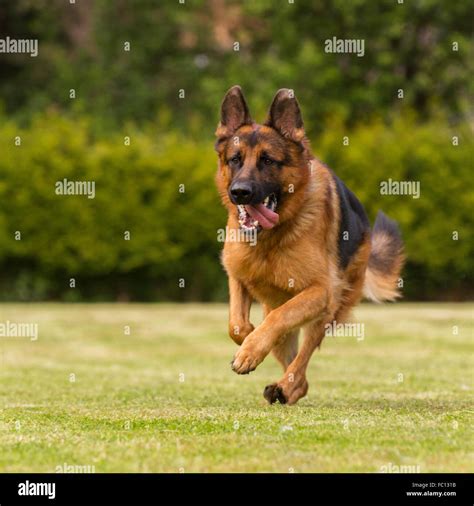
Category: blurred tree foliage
[190,46]
[422,47]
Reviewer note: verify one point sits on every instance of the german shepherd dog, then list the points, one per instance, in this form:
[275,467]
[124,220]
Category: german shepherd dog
[315,256]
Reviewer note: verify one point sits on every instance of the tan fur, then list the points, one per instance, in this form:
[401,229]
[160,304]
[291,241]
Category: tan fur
[293,269]
[378,286]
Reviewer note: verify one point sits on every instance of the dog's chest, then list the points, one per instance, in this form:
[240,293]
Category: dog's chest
[282,271]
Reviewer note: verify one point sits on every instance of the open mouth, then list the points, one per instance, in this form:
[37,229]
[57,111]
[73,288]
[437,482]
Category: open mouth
[256,217]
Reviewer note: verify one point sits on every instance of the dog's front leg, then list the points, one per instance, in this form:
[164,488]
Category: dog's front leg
[239,311]
[312,303]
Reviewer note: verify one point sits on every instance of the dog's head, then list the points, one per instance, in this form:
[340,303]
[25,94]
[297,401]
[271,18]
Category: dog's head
[262,168]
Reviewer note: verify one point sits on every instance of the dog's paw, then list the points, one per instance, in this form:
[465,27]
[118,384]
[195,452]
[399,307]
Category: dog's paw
[273,393]
[244,362]
[288,390]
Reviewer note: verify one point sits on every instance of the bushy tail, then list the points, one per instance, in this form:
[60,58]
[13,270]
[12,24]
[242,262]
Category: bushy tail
[385,262]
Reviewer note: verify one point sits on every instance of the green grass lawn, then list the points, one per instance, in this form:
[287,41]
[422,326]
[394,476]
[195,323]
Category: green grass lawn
[164,399]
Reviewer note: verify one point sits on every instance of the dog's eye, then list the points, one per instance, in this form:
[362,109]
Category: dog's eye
[267,161]
[235,159]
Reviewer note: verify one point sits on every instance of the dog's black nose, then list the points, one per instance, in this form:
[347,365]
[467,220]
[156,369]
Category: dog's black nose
[241,192]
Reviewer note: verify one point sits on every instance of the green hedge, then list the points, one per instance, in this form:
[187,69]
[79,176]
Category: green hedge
[173,233]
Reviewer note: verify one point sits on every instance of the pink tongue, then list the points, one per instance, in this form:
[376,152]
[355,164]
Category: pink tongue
[266,217]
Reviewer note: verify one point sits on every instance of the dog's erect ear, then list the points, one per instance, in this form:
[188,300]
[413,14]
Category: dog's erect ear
[285,115]
[234,113]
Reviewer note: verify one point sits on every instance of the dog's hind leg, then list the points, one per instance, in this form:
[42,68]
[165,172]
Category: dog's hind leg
[293,385]
[286,350]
